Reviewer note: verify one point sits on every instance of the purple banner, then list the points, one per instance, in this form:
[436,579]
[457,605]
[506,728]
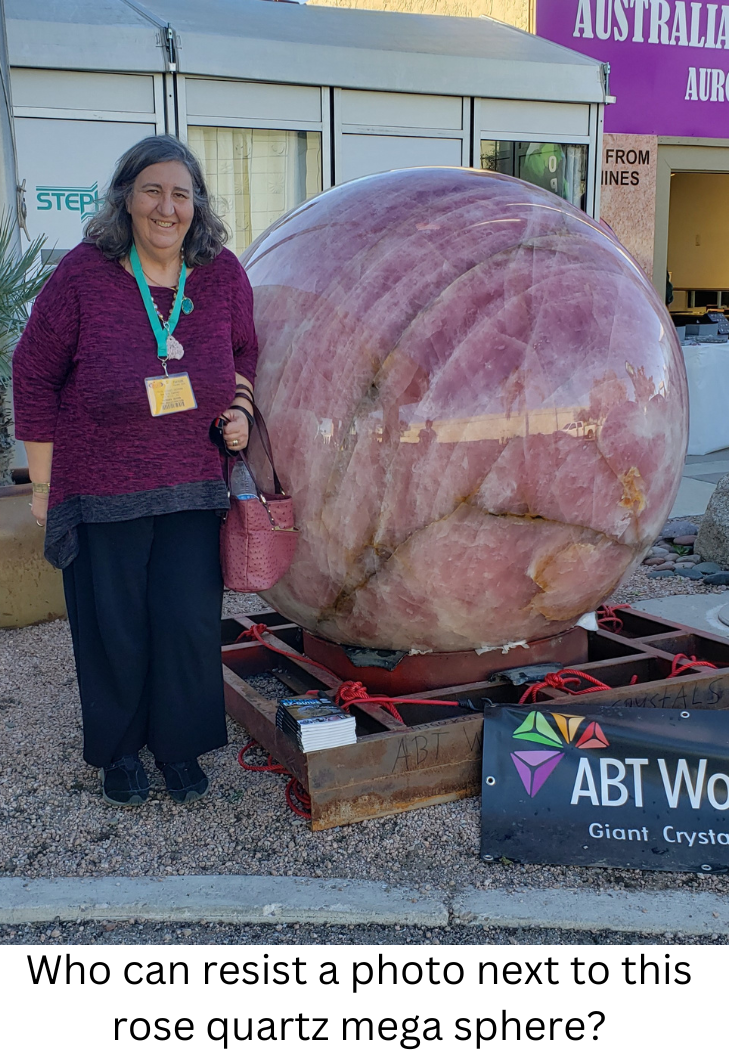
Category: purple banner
[669,60]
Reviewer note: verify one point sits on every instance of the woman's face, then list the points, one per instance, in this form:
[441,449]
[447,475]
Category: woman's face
[161,206]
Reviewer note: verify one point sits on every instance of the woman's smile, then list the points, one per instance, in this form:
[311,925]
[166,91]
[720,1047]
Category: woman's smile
[161,207]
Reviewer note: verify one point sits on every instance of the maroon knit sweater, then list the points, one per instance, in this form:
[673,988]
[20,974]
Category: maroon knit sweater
[78,382]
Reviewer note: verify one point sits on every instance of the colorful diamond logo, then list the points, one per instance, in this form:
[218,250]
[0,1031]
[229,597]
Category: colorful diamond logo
[534,766]
[568,725]
[592,737]
[537,729]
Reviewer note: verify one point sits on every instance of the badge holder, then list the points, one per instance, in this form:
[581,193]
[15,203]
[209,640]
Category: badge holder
[169,395]
[166,394]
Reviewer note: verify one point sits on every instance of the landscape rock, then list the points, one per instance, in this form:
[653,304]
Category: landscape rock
[667,565]
[675,530]
[689,572]
[709,568]
[712,541]
[662,574]
[684,539]
[654,561]
[721,578]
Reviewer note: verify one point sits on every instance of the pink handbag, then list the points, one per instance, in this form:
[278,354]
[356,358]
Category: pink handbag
[258,536]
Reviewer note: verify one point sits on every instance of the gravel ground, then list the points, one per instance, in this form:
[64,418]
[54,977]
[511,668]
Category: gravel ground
[640,587]
[133,932]
[53,821]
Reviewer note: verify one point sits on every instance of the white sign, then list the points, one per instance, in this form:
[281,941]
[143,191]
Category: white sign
[66,166]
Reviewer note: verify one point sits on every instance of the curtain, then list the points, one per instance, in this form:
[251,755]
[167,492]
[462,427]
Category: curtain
[256,175]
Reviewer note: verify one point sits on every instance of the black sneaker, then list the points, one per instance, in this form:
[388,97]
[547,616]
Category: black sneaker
[125,782]
[185,780]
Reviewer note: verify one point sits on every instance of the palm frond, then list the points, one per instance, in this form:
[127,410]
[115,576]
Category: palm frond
[22,276]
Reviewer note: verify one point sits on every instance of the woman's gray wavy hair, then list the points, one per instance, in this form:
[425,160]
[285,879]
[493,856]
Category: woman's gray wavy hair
[111,228]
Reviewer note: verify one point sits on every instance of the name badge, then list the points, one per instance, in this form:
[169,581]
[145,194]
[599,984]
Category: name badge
[170,395]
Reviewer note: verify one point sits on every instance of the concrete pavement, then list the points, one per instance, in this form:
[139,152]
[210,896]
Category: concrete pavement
[700,475]
[256,900]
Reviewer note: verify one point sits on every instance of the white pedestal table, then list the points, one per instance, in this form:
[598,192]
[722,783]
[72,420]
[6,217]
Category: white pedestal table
[707,369]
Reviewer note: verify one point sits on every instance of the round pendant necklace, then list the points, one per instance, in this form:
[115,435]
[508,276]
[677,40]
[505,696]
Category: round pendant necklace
[187,305]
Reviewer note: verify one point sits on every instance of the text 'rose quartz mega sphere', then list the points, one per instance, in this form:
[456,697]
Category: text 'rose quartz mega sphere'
[477,400]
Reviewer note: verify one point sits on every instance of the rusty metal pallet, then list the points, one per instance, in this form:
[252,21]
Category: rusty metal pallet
[436,757]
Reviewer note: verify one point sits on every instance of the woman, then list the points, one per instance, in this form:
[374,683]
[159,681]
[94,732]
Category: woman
[140,339]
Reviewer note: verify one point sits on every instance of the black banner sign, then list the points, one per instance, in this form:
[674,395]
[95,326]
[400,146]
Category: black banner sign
[607,786]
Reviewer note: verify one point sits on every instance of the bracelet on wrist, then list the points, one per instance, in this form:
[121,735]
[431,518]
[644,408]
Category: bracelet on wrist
[41,488]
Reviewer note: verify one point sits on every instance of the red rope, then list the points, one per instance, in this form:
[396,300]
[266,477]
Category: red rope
[681,664]
[606,616]
[678,668]
[271,765]
[351,692]
[296,797]
[562,681]
[254,633]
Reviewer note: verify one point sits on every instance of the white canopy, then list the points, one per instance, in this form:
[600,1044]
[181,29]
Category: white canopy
[291,43]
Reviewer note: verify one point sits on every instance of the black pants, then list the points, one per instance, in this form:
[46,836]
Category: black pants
[144,601]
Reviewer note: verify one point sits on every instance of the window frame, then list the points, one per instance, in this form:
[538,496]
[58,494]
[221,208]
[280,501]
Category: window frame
[592,140]
[556,142]
[248,128]
[264,124]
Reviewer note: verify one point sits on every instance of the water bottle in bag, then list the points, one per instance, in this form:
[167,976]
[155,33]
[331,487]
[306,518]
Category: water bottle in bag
[242,485]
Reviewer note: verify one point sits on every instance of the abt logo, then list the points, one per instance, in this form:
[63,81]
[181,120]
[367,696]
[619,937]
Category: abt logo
[536,766]
[68,199]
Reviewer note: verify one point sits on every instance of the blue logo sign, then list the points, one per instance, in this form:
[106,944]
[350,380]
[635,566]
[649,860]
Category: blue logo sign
[84,200]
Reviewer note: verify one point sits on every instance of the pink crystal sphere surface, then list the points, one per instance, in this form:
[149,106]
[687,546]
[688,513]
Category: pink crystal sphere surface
[477,400]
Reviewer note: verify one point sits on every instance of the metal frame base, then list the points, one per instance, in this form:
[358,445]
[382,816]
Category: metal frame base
[436,757]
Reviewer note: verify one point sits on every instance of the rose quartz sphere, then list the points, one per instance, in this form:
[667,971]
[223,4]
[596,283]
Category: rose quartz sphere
[476,399]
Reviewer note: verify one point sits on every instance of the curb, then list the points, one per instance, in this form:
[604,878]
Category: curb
[254,899]
[676,913]
[218,898]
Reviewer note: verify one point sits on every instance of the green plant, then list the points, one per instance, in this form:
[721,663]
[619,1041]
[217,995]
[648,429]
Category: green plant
[22,275]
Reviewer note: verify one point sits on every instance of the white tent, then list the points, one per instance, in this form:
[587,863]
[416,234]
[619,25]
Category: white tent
[281,100]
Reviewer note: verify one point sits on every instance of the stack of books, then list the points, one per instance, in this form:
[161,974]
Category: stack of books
[315,724]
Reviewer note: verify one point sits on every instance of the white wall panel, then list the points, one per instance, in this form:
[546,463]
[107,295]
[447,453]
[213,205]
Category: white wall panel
[58,89]
[245,99]
[363,155]
[396,110]
[66,166]
[534,118]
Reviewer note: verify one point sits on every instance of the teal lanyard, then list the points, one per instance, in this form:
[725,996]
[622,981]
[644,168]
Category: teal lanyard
[161,330]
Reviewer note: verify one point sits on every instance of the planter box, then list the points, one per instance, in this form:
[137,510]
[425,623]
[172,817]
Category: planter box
[30,589]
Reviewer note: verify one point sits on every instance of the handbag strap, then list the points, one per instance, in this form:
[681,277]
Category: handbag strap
[267,449]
